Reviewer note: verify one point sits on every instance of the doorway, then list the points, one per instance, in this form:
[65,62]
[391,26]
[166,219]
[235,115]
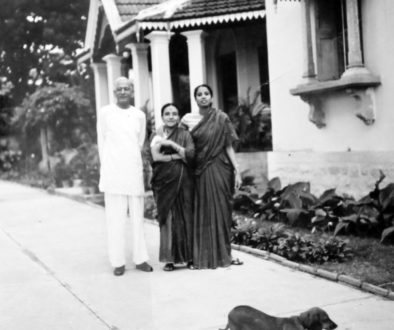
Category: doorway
[228,81]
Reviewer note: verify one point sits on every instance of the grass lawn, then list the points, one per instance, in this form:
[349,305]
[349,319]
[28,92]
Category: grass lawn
[372,262]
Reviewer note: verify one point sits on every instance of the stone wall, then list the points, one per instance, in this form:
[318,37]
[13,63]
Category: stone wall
[353,173]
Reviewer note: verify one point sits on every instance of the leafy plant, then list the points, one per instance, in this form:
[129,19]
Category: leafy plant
[85,165]
[61,172]
[252,122]
[292,246]
[372,215]
[59,109]
[9,158]
[40,36]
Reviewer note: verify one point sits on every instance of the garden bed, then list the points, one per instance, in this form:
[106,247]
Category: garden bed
[334,233]
[370,261]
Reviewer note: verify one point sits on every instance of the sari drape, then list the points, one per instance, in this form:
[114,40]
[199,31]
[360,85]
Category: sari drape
[172,185]
[214,189]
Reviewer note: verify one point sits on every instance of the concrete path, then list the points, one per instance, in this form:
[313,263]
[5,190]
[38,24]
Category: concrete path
[54,275]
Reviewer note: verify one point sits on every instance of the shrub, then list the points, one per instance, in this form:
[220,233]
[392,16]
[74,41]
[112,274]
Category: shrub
[61,172]
[372,215]
[85,165]
[252,121]
[9,158]
[292,246]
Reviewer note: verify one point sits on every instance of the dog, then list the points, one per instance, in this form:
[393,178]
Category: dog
[249,318]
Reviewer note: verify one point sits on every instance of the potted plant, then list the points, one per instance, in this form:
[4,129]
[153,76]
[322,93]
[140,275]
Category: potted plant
[252,122]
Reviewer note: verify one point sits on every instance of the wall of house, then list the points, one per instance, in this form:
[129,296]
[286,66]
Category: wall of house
[290,126]
[346,154]
[344,131]
[378,27]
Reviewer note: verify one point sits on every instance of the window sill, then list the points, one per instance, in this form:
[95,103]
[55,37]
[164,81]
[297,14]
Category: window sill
[354,80]
[356,83]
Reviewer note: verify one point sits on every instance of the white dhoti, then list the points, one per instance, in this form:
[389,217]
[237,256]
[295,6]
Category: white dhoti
[121,134]
[116,207]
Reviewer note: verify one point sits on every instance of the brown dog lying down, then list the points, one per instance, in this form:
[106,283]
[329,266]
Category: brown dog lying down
[249,318]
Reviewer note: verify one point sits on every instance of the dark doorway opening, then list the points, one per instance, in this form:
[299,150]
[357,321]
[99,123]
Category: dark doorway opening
[228,81]
[179,66]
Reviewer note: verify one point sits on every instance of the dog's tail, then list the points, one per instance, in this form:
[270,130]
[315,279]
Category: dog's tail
[227,327]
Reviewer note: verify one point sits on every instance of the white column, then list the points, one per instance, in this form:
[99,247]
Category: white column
[196,52]
[100,84]
[160,56]
[309,65]
[355,58]
[211,68]
[113,73]
[353,33]
[139,53]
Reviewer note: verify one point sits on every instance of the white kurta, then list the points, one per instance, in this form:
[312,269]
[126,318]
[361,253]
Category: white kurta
[120,136]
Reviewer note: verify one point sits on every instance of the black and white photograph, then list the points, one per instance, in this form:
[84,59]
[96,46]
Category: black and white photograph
[196,164]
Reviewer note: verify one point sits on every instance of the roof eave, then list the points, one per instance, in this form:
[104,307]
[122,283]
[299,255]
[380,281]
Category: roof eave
[84,56]
[126,30]
[200,21]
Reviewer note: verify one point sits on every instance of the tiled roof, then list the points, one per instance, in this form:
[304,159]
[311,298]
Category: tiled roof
[204,8]
[180,14]
[128,9]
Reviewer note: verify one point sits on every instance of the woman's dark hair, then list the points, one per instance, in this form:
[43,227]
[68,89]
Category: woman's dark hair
[203,85]
[168,105]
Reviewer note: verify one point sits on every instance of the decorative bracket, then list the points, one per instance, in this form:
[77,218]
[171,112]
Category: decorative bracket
[365,104]
[357,83]
[316,112]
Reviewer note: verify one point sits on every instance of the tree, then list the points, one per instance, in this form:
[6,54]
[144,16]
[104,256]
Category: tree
[38,42]
[58,109]
[5,107]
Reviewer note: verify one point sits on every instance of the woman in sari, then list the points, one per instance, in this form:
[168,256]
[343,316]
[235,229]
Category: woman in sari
[216,176]
[172,183]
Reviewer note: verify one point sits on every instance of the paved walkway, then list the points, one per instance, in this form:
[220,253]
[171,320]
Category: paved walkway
[54,275]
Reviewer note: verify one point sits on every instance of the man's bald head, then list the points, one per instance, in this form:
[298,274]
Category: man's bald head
[123,91]
[123,81]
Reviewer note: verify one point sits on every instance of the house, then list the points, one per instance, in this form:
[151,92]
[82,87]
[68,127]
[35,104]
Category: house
[322,66]
[331,83]
[167,48]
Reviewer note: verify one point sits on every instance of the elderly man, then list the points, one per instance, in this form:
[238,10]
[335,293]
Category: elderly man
[120,135]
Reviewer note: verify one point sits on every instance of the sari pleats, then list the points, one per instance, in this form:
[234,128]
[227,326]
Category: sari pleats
[214,188]
[172,184]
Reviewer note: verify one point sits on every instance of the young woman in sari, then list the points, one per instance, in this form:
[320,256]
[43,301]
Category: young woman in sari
[172,149]
[216,176]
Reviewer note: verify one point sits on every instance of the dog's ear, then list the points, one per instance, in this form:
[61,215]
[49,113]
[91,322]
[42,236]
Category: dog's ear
[305,319]
[310,319]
